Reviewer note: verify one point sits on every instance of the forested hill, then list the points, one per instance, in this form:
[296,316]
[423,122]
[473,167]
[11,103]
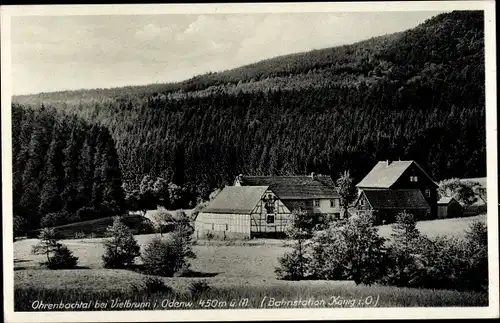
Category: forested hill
[416,95]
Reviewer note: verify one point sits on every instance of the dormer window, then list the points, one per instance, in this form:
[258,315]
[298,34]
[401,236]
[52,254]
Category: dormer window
[414,179]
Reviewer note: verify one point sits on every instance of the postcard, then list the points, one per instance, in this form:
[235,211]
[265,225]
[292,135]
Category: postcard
[232,162]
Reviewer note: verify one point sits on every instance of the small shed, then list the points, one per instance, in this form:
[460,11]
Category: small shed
[448,207]
[243,212]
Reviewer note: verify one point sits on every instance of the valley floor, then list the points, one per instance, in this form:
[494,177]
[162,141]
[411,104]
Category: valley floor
[230,268]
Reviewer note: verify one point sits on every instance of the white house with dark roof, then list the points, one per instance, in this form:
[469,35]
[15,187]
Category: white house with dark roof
[243,212]
[395,186]
[311,193]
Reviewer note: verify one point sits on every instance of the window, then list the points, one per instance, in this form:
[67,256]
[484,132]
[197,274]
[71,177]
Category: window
[213,225]
[316,203]
[333,203]
[269,203]
[414,179]
[362,202]
[270,219]
[227,227]
[427,193]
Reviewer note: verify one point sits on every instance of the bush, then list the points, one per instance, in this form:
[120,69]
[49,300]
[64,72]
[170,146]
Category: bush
[62,259]
[58,255]
[199,288]
[404,266]
[146,227]
[54,219]
[293,266]
[19,225]
[329,253]
[152,285]
[353,251]
[122,248]
[166,257]
[80,235]
[442,262]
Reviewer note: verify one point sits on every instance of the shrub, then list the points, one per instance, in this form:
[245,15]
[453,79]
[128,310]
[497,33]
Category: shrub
[293,266]
[198,288]
[441,262]
[62,258]
[19,225]
[121,248]
[80,235]
[476,237]
[152,285]
[351,251]
[404,267]
[166,257]
[146,226]
[58,255]
[54,219]
[329,253]
[162,219]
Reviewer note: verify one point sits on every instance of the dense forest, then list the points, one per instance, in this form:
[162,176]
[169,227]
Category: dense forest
[417,94]
[64,169]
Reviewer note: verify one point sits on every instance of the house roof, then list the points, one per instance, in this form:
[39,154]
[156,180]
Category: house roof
[396,199]
[295,187]
[445,200]
[236,200]
[384,176]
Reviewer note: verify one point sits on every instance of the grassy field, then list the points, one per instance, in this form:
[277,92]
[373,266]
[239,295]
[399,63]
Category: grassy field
[275,294]
[232,269]
[451,227]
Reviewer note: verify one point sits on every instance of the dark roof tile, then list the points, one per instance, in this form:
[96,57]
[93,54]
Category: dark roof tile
[295,187]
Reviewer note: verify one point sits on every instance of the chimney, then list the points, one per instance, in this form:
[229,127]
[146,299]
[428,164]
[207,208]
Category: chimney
[388,162]
[313,175]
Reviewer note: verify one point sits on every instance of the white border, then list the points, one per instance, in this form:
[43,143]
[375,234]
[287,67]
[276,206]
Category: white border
[265,314]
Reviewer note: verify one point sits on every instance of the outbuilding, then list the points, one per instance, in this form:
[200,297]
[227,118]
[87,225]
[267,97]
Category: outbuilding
[448,207]
[243,212]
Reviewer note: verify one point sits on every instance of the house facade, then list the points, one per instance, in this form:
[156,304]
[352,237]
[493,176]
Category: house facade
[314,194]
[243,212]
[395,186]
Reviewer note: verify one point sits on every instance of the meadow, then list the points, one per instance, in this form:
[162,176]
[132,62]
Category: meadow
[233,270]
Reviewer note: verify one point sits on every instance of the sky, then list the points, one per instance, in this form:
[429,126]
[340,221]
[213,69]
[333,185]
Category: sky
[54,53]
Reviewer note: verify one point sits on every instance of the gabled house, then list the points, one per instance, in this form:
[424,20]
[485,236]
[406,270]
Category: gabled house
[395,186]
[243,212]
[315,194]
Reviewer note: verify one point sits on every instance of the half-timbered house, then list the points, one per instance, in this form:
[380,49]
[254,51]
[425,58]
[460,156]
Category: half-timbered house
[243,212]
[314,194]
